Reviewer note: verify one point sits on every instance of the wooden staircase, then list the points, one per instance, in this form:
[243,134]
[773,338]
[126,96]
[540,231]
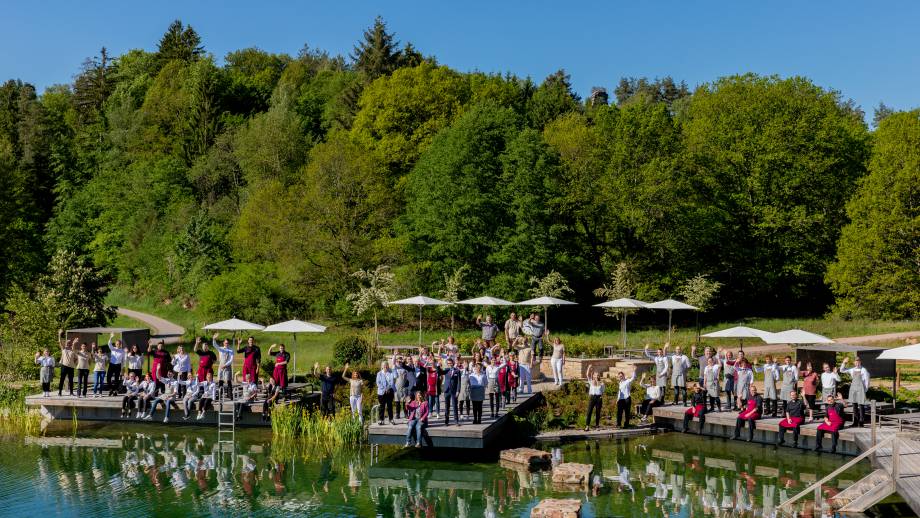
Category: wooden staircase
[865,493]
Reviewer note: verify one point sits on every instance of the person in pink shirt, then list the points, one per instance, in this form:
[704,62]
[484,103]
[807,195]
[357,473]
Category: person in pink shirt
[418,420]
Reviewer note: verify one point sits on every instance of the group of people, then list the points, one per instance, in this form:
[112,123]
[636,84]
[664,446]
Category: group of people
[721,372]
[119,371]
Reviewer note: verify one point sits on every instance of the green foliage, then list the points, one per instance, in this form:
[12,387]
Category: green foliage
[700,291]
[350,349]
[180,42]
[249,291]
[877,272]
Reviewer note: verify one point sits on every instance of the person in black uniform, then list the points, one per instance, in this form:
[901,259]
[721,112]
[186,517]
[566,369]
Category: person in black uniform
[697,409]
[795,416]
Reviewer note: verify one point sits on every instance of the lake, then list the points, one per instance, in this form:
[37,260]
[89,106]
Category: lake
[139,470]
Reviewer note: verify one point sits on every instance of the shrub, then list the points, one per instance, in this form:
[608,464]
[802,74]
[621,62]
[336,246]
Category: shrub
[350,349]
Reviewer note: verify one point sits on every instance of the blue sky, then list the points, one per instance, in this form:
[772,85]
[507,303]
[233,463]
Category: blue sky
[869,51]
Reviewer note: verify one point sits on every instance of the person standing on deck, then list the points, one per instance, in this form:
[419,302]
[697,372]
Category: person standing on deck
[537,331]
[161,363]
[83,358]
[662,367]
[624,399]
[46,370]
[100,364]
[795,416]
[810,379]
[728,373]
[770,372]
[206,359]
[451,391]
[859,384]
[478,382]
[558,361]
[711,383]
[789,373]
[279,371]
[224,365]
[386,391]
[744,379]
[252,358]
[116,364]
[513,329]
[829,381]
[525,365]
[182,365]
[702,361]
[489,330]
[680,365]
[327,381]
[595,397]
[68,362]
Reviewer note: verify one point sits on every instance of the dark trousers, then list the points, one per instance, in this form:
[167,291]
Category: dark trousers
[326,404]
[494,403]
[66,372]
[771,407]
[739,424]
[594,406]
[624,412]
[648,405]
[820,437]
[181,389]
[127,403]
[385,404]
[689,417]
[82,381]
[113,378]
[795,435]
[46,387]
[860,414]
[477,412]
[730,401]
[715,403]
[680,392]
[450,399]
[464,407]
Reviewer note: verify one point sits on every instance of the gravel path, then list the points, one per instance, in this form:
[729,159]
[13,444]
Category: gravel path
[160,329]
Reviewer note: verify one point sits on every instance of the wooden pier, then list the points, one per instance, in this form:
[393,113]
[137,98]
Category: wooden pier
[108,408]
[467,435]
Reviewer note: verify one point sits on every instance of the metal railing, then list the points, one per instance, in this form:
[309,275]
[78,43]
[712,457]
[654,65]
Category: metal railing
[894,441]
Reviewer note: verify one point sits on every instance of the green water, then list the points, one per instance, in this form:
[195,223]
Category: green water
[139,471]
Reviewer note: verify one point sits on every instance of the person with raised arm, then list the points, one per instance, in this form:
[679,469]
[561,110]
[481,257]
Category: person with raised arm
[135,361]
[697,409]
[770,372]
[451,377]
[513,328]
[161,363]
[206,359]
[83,358]
[385,383]
[793,419]
[512,377]
[728,362]
[680,365]
[750,414]
[478,382]
[252,357]
[355,393]
[100,363]
[595,397]
[68,362]
[557,360]
[464,401]
[833,421]
[744,377]
[829,380]
[662,367]
[525,365]
[489,329]
[536,330]
[224,365]
[711,383]
[46,370]
[113,373]
[702,361]
[653,398]
[789,373]
[492,370]
[280,370]
[810,378]
[272,397]
[624,399]
[859,384]
[182,366]
[167,397]
[327,381]
[403,382]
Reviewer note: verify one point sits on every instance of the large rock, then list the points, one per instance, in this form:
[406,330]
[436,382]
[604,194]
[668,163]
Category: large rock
[572,474]
[557,508]
[528,457]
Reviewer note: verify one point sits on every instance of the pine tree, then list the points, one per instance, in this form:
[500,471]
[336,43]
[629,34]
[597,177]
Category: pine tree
[179,42]
[378,53]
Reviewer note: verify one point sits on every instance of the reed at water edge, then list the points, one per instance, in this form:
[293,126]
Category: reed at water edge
[15,418]
[341,430]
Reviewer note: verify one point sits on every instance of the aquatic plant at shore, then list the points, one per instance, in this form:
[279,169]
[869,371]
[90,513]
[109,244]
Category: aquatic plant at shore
[294,422]
[15,418]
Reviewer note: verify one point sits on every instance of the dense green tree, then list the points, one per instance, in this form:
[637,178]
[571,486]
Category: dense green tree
[553,98]
[664,90]
[877,271]
[179,42]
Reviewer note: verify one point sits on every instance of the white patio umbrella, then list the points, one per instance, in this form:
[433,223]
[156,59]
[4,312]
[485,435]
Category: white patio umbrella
[486,301]
[797,336]
[670,305]
[906,353]
[624,304]
[234,324]
[294,327]
[546,302]
[740,332]
[420,301]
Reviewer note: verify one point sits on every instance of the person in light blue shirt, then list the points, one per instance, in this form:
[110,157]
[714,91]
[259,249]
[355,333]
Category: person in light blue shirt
[386,388]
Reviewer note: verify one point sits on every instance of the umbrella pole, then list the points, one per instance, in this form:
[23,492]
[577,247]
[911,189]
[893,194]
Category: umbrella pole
[420,326]
[623,329]
[669,325]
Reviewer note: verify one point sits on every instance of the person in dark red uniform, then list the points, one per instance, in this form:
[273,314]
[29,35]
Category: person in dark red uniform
[750,414]
[252,357]
[697,409]
[206,359]
[832,423]
[279,373]
[162,361]
[795,416]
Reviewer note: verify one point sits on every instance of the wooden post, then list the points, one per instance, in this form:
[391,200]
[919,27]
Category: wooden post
[872,427]
[895,460]
[819,505]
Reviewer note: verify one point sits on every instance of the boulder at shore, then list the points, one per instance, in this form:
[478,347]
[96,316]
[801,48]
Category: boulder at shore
[572,474]
[557,508]
[527,457]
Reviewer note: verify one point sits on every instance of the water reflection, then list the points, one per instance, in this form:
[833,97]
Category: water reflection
[189,473]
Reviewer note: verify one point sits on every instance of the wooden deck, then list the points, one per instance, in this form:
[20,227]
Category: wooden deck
[722,424]
[467,435]
[908,484]
[108,408]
